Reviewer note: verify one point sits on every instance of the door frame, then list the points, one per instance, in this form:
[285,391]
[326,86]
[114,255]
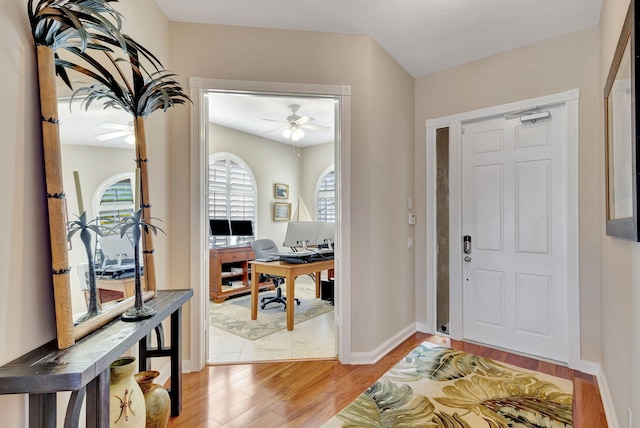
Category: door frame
[199,264]
[455,122]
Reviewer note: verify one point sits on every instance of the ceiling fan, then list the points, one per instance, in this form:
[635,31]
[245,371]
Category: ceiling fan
[295,124]
[118,130]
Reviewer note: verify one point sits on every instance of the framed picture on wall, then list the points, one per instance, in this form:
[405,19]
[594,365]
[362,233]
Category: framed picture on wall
[281,211]
[281,191]
[621,135]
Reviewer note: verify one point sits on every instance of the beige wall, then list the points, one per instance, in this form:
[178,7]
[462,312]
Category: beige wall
[314,161]
[620,274]
[222,52]
[545,68]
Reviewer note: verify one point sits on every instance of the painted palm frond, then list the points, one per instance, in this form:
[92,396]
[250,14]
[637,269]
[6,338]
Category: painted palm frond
[443,364]
[387,404]
[75,226]
[160,92]
[146,90]
[135,223]
[62,23]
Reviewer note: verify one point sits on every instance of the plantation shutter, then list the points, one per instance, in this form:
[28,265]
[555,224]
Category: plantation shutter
[326,198]
[116,203]
[231,195]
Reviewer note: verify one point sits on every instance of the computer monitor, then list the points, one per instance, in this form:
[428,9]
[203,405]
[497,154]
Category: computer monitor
[116,248]
[301,233]
[326,233]
[219,227]
[241,228]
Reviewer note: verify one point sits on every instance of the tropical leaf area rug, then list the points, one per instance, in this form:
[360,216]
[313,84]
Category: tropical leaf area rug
[234,315]
[444,388]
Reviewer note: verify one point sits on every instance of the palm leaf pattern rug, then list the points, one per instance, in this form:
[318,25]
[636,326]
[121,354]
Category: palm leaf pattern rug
[437,387]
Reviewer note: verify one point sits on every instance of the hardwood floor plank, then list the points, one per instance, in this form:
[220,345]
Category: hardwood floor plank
[308,393]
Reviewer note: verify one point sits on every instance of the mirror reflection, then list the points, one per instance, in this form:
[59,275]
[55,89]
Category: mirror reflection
[98,152]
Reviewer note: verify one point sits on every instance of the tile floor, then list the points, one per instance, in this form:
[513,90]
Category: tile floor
[314,338]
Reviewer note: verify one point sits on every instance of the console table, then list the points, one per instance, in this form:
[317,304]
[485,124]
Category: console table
[83,368]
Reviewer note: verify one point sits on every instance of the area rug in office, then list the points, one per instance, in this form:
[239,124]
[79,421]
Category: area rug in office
[444,388]
[234,315]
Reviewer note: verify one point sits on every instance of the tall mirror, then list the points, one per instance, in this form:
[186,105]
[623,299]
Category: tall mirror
[97,146]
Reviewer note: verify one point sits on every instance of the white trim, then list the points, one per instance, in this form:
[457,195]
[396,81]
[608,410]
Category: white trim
[198,246]
[454,122]
[607,402]
[386,347]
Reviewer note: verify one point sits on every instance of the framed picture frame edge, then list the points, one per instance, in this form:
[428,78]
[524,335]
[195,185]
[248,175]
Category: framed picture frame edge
[625,227]
[279,214]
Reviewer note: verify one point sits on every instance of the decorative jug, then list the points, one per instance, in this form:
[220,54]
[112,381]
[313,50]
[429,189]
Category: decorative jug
[156,398]
[127,408]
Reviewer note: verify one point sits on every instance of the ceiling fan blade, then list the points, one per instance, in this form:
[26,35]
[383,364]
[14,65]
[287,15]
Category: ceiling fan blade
[274,120]
[112,135]
[279,128]
[316,127]
[118,126]
[304,120]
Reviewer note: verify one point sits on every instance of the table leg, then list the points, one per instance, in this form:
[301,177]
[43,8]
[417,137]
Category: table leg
[255,283]
[97,414]
[176,363]
[318,283]
[291,302]
[42,410]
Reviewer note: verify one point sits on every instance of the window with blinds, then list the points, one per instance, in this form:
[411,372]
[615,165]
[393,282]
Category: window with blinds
[326,198]
[232,195]
[116,203]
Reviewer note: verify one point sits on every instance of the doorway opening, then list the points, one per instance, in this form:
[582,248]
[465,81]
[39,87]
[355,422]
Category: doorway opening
[267,153]
[199,233]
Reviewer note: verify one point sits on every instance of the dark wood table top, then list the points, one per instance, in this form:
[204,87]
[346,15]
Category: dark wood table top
[48,369]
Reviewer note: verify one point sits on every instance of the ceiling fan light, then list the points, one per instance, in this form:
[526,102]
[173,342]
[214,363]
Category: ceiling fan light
[287,133]
[297,134]
[130,139]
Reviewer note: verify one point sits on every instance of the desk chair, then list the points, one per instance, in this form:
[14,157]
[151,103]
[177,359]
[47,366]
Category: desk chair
[262,249]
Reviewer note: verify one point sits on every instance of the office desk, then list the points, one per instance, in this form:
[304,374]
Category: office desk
[289,271]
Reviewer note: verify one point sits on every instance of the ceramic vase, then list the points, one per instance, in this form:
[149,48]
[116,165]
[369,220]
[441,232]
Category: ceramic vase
[156,398]
[126,403]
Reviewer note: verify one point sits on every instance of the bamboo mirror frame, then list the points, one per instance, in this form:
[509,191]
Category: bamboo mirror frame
[67,330]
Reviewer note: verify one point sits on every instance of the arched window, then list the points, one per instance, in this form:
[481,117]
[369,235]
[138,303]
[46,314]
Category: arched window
[113,201]
[326,196]
[232,193]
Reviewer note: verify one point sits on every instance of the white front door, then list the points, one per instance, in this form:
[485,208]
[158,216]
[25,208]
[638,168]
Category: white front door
[514,211]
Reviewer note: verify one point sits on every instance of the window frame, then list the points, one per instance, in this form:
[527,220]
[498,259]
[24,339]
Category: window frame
[321,179]
[230,157]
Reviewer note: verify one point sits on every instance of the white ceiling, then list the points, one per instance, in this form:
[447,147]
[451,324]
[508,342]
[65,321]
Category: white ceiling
[247,113]
[424,36]
[81,126]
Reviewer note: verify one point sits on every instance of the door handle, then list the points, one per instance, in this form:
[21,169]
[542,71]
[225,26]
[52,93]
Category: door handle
[466,244]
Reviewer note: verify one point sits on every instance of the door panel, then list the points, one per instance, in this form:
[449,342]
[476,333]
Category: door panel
[514,209]
[533,194]
[488,202]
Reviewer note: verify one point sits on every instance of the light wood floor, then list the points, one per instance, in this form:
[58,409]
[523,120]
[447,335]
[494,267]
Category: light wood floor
[308,393]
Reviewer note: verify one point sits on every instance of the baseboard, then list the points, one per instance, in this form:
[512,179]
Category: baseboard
[605,396]
[165,372]
[424,328]
[359,358]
